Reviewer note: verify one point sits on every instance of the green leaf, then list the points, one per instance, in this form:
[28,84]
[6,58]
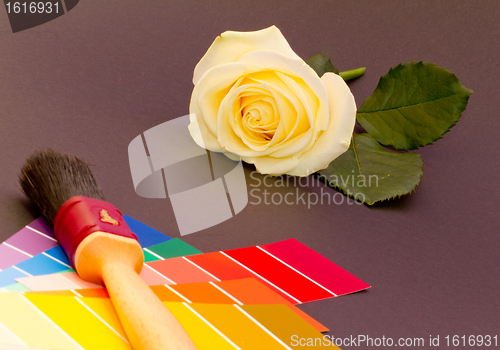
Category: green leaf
[413,105]
[371,174]
[321,65]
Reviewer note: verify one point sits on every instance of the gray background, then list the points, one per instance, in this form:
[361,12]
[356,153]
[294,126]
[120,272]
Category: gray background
[90,81]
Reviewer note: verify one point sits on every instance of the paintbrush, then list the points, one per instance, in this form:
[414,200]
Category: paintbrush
[100,246]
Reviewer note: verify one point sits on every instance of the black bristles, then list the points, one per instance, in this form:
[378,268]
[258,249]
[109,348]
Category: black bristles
[50,178]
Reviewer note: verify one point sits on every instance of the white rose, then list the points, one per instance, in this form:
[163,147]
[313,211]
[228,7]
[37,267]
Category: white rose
[254,99]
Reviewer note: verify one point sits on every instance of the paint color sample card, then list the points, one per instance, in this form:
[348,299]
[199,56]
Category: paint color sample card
[38,237]
[64,322]
[55,260]
[71,280]
[290,268]
[33,239]
[315,266]
[51,261]
[147,236]
[242,292]
[293,270]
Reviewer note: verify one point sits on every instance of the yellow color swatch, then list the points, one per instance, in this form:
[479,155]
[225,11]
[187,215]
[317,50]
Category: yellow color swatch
[79,322]
[287,326]
[203,336]
[31,326]
[8,338]
[104,308]
[236,326]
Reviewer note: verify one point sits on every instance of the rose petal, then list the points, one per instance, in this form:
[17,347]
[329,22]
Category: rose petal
[264,59]
[211,90]
[230,46]
[201,135]
[336,138]
[255,99]
[297,121]
[230,135]
[291,67]
[273,166]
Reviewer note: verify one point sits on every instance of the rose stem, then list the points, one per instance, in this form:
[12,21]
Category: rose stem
[353,73]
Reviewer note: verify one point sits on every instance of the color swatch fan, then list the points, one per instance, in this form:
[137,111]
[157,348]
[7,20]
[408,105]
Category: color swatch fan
[249,292]
[235,299]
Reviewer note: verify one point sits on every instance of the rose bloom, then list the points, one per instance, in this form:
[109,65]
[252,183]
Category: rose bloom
[254,99]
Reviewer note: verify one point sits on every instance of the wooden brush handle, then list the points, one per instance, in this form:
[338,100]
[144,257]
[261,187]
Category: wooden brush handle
[148,323]
[116,261]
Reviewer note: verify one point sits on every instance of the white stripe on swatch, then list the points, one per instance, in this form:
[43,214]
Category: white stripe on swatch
[22,271]
[300,273]
[100,319]
[41,233]
[153,253]
[56,260]
[48,319]
[19,250]
[159,273]
[201,268]
[8,336]
[179,294]
[256,274]
[212,326]
[226,293]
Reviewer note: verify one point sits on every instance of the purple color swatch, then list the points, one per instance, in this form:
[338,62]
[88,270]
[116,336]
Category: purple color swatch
[9,256]
[31,242]
[41,225]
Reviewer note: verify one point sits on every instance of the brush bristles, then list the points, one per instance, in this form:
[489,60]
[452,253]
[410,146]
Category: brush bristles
[50,178]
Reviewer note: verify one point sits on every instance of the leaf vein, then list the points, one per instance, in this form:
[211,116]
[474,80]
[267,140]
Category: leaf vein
[356,155]
[409,106]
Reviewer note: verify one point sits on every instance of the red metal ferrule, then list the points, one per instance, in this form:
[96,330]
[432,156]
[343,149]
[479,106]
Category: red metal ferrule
[80,216]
